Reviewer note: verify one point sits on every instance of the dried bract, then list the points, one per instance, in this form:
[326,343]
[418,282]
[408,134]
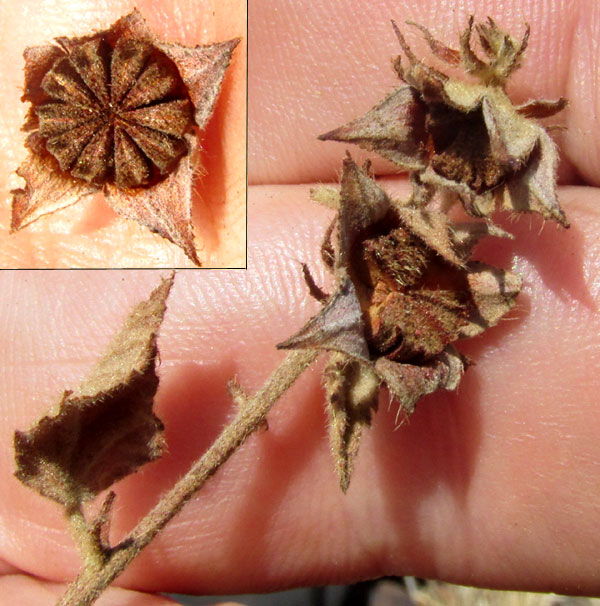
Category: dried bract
[465,138]
[105,429]
[405,291]
[117,111]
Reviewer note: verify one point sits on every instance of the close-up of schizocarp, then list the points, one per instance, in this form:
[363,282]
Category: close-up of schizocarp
[119,112]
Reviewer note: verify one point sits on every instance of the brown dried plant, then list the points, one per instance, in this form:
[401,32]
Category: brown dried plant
[406,290]
[102,431]
[465,139]
[118,111]
[106,429]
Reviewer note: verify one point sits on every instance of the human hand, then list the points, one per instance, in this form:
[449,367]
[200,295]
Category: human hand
[494,485]
[528,466]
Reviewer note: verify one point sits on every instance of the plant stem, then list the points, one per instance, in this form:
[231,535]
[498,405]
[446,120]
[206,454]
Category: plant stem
[89,547]
[90,583]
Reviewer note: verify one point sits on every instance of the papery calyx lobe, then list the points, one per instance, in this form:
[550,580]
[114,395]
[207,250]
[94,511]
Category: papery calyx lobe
[466,139]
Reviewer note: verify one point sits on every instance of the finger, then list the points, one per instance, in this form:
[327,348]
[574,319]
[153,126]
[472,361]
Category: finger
[494,484]
[90,234]
[29,591]
[334,65]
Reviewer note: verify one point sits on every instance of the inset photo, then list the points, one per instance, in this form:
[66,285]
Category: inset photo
[124,135]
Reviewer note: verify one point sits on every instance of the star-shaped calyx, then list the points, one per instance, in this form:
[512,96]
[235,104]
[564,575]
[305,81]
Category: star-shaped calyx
[465,138]
[118,111]
[406,290]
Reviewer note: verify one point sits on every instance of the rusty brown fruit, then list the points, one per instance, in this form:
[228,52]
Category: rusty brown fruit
[118,111]
[406,291]
[115,114]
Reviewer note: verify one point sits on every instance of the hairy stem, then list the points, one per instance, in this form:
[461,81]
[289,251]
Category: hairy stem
[89,547]
[251,415]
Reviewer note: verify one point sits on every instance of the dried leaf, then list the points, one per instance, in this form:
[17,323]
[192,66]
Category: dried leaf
[118,111]
[466,139]
[105,429]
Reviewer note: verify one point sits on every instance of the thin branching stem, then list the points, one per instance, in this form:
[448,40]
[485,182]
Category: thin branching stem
[251,415]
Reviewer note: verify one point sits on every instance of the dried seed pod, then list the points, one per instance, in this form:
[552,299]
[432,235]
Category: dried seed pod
[406,291]
[117,111]
[465,138]
[115,114]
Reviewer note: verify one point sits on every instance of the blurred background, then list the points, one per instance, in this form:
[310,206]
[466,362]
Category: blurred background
[406,591]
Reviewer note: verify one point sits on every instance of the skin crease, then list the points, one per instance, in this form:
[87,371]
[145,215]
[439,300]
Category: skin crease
[90,233]
[494,485]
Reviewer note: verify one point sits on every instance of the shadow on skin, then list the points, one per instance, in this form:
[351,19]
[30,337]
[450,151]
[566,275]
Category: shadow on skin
[436,448]
[556,253]
[281,456]
[97,215]
[209,193]
[190,400]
